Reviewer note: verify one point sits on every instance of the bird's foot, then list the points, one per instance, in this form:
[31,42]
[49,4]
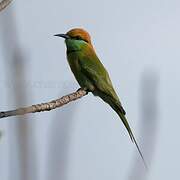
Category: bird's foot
[84,89]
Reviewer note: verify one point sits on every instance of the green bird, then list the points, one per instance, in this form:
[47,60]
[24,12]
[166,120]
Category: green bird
[91,73]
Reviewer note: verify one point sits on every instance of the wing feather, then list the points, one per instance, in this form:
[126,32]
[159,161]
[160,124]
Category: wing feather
[94,70]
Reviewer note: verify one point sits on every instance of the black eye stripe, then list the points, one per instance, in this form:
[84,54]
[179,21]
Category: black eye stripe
[79,38]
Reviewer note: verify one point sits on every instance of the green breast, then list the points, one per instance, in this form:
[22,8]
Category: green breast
[73,59]
[78,51]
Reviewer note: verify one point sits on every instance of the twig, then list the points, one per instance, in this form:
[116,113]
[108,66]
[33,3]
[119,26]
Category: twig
[4,4]
[45,106]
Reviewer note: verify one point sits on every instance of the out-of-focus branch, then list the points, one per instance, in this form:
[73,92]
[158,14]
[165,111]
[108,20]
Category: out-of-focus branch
[45,106]
[4,4]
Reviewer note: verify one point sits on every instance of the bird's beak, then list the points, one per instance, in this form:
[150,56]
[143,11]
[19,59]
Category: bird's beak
[65,36]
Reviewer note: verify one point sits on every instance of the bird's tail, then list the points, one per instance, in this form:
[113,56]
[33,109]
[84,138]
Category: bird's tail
[120,111]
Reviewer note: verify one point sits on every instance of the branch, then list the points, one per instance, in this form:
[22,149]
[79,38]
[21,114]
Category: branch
[4,4]
[45,106]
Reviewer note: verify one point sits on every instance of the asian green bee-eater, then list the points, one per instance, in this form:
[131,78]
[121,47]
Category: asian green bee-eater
[91,74]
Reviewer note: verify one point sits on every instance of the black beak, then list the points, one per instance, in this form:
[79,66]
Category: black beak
[65,36]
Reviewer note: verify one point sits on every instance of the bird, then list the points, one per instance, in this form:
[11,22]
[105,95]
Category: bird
[91,74]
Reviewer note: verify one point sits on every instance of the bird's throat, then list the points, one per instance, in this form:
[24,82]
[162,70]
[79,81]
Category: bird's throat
[74,45]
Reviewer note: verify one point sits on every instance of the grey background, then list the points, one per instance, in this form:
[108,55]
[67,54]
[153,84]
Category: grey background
[138,42]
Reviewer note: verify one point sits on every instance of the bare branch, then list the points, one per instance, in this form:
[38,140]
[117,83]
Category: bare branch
[45,106]
[4,4]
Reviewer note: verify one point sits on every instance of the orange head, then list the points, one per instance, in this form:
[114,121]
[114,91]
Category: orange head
[77,33]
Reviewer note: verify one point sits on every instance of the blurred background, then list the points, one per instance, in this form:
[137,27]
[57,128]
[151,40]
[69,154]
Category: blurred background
[138,42]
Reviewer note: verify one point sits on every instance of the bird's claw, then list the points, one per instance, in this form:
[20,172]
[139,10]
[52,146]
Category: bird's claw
[84,89]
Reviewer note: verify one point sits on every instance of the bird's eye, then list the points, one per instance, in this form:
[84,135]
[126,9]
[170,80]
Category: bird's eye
[78,38]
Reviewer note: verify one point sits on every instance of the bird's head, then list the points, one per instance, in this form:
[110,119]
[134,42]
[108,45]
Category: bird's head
[76,38]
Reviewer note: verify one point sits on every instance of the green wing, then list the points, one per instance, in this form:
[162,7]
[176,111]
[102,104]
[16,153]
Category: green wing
[94,70]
